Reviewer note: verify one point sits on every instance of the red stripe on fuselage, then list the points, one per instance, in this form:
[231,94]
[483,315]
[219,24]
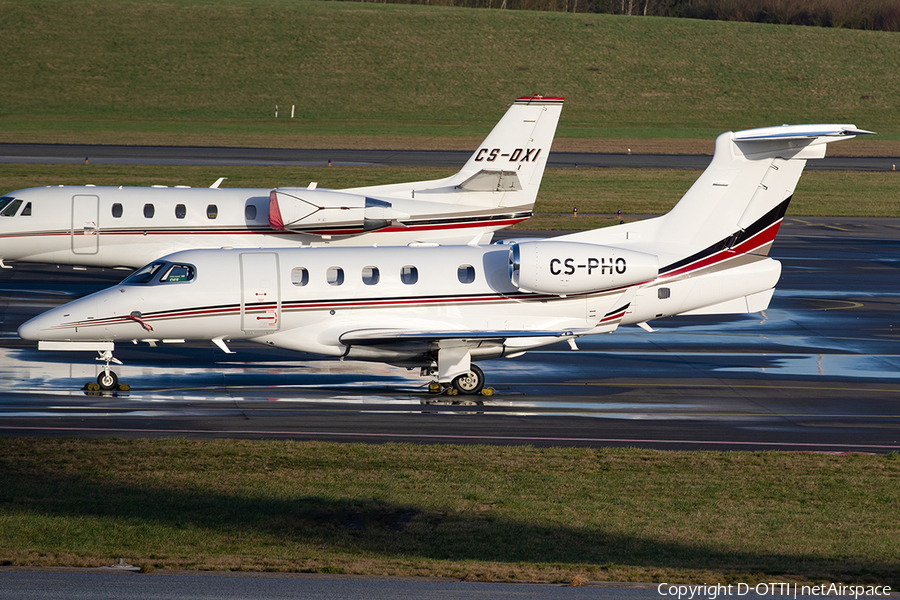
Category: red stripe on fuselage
[766,236]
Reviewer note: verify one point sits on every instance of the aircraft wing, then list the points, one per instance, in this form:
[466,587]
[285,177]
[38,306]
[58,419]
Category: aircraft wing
[378,337]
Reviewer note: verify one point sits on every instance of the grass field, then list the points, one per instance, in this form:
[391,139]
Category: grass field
[202,72]
[475,512]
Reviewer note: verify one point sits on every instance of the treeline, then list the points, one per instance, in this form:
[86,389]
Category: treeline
[880,15]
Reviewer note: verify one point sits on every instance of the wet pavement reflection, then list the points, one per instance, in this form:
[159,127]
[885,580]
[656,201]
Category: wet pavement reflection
[818,370]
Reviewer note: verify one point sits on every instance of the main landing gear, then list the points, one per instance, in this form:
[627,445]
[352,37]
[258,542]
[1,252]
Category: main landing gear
[467,384]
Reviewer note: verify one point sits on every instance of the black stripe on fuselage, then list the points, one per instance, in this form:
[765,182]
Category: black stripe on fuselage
[771,217]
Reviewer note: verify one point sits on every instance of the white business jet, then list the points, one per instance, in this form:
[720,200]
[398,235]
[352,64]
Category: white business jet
[439,308]
[130,226]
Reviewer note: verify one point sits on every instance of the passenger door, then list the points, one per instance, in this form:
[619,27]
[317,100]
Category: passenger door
[260,293]
[85,232]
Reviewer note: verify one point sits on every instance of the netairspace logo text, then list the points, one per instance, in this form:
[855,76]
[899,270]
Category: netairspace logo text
[711,592]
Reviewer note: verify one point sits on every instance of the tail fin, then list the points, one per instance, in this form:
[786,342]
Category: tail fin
[505,170]
[749,183]
[739,200]
[518,146]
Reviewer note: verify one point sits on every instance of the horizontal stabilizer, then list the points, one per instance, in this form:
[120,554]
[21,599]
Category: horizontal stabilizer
[798,132]
[492,181]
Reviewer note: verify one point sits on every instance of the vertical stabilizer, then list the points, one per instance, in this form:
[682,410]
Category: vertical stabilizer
[751,178]
[519,143]
[504,172]
[738,202]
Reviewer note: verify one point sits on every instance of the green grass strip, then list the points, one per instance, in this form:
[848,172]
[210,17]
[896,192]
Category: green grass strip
[486,512]
[106,70]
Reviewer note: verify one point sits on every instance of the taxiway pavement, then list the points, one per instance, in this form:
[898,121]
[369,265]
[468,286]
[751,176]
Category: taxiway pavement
[818,371]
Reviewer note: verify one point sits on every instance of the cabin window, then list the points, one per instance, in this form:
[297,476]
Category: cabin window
[370,275]
[250,212]
[409,274]
[212,211]
[663,293]
[178,273]
[11,208]
[465,273]
[180,211]
[149,211]
[26,212]
[335,276]
[117,210]
[299,276]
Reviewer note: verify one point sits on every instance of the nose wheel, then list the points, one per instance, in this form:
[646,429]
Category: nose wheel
[107,380]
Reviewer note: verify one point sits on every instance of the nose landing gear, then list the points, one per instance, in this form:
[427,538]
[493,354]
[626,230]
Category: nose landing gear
[107,380]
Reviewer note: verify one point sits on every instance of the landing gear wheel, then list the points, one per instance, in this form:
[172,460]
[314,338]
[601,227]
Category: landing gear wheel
[108,380]
[469,383]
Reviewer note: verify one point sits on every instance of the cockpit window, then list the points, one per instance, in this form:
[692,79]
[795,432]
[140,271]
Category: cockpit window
[144,274]
[4,201]
[26,212]
[161,272]
[11,208]
[178,273]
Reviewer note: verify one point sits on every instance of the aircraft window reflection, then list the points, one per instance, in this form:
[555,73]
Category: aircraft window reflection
[212,211]
[334,276]
[250,212]
[117,210]
[466,273]
[409,274]
[180,211]
[149,211]
[299,276]
[11,208]
[144,274]
[178,273]
[370,275]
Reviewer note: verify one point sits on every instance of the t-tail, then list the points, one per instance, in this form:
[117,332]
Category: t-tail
[496,187]
[713,245]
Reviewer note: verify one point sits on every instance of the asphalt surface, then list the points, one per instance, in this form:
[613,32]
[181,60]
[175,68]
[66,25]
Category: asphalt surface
[108,584]
[187,155]
[818,371]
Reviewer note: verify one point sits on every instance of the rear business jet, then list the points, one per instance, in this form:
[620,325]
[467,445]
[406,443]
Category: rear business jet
[440,308]
[130,226]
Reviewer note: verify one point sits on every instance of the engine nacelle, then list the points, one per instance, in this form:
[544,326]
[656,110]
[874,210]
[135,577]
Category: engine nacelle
[328,212]
[549,267]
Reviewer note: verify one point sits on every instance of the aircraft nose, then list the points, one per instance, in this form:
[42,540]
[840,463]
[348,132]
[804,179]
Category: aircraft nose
[31,329]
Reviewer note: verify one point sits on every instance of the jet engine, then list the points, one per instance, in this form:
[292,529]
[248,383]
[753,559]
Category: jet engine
[548,267]
[327,212]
